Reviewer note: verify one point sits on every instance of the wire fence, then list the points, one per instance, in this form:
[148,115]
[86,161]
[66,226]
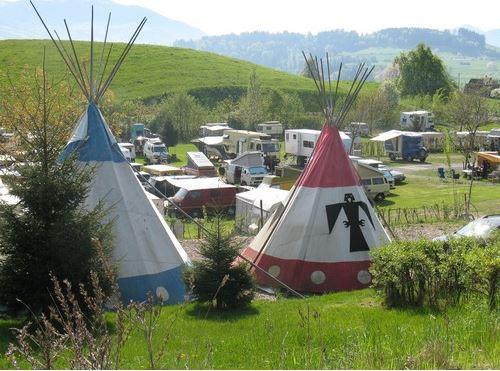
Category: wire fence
[426,214]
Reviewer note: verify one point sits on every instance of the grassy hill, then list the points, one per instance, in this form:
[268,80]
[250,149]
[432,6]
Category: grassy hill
[152,71]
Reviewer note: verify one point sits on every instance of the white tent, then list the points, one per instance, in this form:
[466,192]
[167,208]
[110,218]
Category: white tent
[320,237]
[248,205]
[148,257]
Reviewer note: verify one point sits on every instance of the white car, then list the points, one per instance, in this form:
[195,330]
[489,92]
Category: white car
[480,228]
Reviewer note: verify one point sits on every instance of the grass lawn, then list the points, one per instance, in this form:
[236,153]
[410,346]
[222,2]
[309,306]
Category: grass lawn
[342,330]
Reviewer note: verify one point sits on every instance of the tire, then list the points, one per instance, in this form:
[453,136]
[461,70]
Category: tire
[222,171]
[380,197]
[409,158]
[231,210]
[196,213]
[392,156]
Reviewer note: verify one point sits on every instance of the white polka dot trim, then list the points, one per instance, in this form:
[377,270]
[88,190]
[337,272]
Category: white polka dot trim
[364,277]
[318,277]
[274,270]
[162,294]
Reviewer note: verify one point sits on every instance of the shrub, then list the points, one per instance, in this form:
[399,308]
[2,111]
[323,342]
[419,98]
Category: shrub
[216,278]
[417,273]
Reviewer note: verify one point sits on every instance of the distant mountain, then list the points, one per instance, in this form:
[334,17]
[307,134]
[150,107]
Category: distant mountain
[19,21]
[493,37]
[465,50]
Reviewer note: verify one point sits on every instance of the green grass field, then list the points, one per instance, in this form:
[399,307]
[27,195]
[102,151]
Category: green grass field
[151,71]
[342,330]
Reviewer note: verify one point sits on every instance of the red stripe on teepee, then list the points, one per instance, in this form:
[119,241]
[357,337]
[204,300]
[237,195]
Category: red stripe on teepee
[299,274]
[329,165]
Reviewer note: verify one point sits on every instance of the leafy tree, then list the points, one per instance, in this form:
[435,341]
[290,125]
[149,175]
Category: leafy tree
[184,113]
[216,278]
[252,106]
[49,231]
[467,112]
[422,72]
[169,133]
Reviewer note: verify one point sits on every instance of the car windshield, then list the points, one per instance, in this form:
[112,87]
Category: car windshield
[257,170]
[478,228]
[181,193]
[270,147]
[159,148]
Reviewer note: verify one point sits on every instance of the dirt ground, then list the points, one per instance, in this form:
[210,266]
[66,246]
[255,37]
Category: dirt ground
[404,232]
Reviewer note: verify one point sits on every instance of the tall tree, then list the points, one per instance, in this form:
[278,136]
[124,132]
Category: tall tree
[49,231]
[421,72]
[252,106]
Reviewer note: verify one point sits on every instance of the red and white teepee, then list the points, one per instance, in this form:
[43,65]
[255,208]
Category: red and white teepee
[321,237]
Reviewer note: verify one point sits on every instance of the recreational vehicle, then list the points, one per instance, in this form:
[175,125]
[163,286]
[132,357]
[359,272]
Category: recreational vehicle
[213,129]
[301,142]
[417,120]
[236,142]
[272,128]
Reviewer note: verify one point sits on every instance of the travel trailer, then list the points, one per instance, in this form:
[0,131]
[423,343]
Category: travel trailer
[301,142]
[236,142]
[417,120]
[198,164]
[213,129]
[272,128]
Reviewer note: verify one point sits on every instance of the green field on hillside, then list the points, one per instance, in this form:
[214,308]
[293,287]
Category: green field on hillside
[342,330]
[152,71]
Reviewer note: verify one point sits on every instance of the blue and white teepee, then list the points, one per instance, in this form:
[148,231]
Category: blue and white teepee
[149,258]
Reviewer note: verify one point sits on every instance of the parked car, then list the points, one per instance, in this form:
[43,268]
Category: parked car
[155,152]
[480,228]
[388,175]
[399,176]
[211,194]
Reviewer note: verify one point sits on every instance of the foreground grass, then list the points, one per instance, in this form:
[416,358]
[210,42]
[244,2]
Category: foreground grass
[343,330]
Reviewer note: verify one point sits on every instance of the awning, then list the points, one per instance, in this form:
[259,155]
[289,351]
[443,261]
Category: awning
[391,134]
[492,157]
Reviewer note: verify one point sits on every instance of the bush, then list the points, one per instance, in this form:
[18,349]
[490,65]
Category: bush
[418,273]
[217,279]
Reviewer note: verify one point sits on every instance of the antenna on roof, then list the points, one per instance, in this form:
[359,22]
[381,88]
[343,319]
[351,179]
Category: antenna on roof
[93,85]
[327,98]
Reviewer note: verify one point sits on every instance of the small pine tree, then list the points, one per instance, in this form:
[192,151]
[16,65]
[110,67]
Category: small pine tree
[217,278]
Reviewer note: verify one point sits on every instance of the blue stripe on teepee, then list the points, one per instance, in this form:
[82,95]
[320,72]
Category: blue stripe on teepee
[98,146]
[137,288]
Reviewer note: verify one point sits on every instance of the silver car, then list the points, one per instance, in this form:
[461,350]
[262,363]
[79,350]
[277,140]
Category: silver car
[480,228]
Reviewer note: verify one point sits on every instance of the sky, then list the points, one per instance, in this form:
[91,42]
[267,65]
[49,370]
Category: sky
[216,17]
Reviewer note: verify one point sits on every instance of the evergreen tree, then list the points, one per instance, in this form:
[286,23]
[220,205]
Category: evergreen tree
[216,278]
[49,231]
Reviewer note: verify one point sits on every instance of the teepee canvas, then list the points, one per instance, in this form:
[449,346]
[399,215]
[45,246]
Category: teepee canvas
[320,239]
[148,257]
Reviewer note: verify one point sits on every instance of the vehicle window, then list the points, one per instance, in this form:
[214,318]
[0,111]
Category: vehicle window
[251,145]
[159,149]
[214,193]
[270,147]
[194,195]
[294,136]
[259,147]
[268,128]
[254,170]
[366,182]
[378,181]
[286,136]
[308,144]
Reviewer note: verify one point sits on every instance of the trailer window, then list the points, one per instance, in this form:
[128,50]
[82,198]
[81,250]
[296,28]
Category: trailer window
[378,181]
[366,182]
[268,128]
[194,195]
[308,144]
[286,136]
[294,136]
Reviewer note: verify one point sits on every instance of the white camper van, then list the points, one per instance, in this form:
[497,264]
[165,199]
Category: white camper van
[301,142]
[272,128]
